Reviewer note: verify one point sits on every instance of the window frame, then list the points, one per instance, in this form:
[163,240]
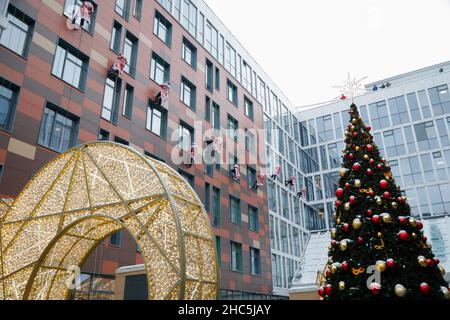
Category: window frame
[25,19]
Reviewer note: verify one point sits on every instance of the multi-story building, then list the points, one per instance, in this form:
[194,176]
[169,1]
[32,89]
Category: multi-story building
[56,92]
[410,118]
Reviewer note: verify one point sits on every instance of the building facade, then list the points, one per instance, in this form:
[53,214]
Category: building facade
[58,90]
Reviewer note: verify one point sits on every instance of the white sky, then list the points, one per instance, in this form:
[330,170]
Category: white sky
[308,46]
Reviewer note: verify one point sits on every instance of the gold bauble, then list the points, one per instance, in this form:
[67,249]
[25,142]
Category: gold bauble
[333,269]
[343,172]
[354,121]
[357,148]
[333,233]
[358,183]
[353,128]
[347,206]
[334,215]
[414,235]
[357,224]
[386,218]
[422,261]
[379,201]
[394,205]
[338,221]
[366,157]
[342,285]
[380,266]
[442,270]
[413,222]
[343,245]
[445,292]
[400,291]
[379,235]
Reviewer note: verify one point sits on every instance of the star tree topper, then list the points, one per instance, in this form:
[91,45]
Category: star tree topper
[351,88]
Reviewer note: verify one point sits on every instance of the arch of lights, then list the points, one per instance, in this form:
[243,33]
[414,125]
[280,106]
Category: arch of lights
[90,192]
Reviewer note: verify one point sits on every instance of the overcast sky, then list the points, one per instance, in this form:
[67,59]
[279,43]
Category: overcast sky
[307,47]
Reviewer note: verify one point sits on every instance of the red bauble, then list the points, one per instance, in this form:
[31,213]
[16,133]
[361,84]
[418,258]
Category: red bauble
[401,200]
[338,203]
[339,192]
[344,266]
[430,262]
[345,156]
[321,292]
[376,219]
[351,155]
[369,172]
[369,147]
[425,288]
[380,167]
[345,227]
[369,212]
[384,184]
[368,128]
[419,225]
[436,261]
[356,166]
[328,290]
[375,288]
[390,263]
[402,220]
[372,162]
[348,186]
[372,193]
[424,238]
[387,195]
[403,235]
[360,240]
[333,243]
[352,200]
[355,134]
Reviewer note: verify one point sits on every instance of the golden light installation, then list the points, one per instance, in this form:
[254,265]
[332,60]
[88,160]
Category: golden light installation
[90,192]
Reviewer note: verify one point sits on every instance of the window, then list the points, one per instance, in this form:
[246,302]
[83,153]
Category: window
[219,250]
[232,94]
[211,39]
[215,116]
[116,36]
[70,65]
[216,207]
[233,127]
[251,176]
[424,104]
[189,53]
[103,135]
[427,165]
[128,101]
[111,100]
[207,197]
[443,132]
[253,217]
[189,17]
[115,239]
[59,129]
[410,141]
[8,99]
[325,128]
[188,93]
[236,256]
[248,108]
[247,76]
[17,35]
[217,80]
[189,178]
[284,237]
[156,119]
[439,199]
[414,106]
[160,69]
[121,141]
[439,165]
[122,8]
[162,28]
[137,9]
[230,59]
[411,172]
[440,99]
[393,141]
[130,50]
[209,75]
[379,113]
[250,141]
[399,111]
[186,137]
[255,261]
[235,210]
[207,108]
[426,136]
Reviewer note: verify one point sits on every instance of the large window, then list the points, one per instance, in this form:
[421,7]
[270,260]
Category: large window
[189,53]
[248,108]
[70,65]
[188,93]
[235,210]
[111,99]
[115,239]
[232,93]
[379,114]
[130,50]
[426,136]
[399,111]
[8,99]
[209,75]
[426,111]
[442,129]
[233,126]
[162,28]
[411,172]
[215,116]
[59,129]
[211,39]
[255,261]
[123,8]
[325,128]
[251,176]
[128,101]
[440,99]
[216,207]
[440,202]
[414,106]
[137,9]
[253,218]
[18,33]
[116,37]
[160,69]
[189,17]
[156,119]
[393,141]
[186,137]
[236,256]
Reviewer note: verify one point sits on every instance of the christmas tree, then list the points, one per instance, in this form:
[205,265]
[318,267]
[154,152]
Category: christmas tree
[378,250]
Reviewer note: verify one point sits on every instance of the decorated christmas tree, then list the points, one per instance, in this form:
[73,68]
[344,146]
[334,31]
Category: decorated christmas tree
[378,250]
